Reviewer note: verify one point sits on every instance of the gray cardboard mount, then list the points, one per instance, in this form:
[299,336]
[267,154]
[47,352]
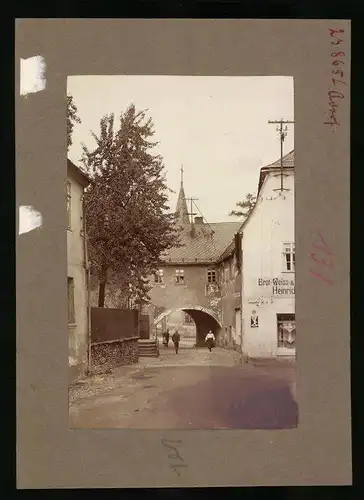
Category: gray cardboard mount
[318,452]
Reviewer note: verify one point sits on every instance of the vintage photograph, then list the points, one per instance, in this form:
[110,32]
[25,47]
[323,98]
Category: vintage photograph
[181,252]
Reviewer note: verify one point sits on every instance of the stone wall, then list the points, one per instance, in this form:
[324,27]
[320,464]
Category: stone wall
[113,353]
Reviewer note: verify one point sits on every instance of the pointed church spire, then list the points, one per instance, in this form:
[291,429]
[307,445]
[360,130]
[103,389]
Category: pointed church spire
[181,209]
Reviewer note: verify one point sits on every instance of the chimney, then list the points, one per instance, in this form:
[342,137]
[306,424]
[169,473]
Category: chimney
[198,220]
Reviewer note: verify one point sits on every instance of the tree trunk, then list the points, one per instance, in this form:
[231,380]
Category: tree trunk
[102,287]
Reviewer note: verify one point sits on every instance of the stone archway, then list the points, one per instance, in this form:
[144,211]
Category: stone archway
[205,319]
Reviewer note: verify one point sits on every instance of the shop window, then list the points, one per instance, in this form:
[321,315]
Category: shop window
[286,329]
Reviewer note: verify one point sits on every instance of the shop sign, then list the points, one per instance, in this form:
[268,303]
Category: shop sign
[280,287]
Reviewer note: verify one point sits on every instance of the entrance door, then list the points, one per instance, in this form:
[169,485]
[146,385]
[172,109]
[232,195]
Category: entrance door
[286,333]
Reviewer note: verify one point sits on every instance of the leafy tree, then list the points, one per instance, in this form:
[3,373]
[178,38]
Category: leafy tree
[72,118]
[128,219]
[246,206]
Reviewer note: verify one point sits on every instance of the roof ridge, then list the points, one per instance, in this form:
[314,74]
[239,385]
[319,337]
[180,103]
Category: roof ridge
[277,162]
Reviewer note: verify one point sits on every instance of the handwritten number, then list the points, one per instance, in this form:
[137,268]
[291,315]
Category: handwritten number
[325,248]
[337,39]
[322,262]
[323,278]
[339,81]
[337,62]
[338,72]
[337,54]
[332,31]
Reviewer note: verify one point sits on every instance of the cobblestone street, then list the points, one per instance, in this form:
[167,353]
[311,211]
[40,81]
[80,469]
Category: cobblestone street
[194,389]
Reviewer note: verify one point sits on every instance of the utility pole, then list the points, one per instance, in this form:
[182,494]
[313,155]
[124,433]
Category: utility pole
[191,200]
[282,132]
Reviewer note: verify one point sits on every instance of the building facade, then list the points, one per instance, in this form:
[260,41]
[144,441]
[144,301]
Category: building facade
[77,282]
[230,286]
[268,261]
[186,293]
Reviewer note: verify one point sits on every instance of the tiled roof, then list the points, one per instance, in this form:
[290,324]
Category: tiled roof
[228,251]
[288,162]
[206,245]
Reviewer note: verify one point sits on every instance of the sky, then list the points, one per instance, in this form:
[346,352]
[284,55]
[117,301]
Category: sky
[216,127]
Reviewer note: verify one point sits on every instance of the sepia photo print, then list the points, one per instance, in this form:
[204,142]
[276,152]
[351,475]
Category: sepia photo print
[181,252]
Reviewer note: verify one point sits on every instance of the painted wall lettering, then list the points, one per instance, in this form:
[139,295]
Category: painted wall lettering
[280,287]
[321,255]
[335,93]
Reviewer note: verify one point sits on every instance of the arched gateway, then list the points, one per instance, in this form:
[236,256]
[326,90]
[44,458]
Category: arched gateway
[193,277]
[205,319]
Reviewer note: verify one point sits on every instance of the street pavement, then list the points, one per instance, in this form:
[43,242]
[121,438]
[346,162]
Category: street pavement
[194,389]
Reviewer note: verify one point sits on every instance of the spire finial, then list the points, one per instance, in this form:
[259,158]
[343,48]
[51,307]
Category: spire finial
[181,175]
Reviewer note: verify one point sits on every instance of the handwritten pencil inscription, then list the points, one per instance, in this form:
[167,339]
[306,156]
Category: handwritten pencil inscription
[177,462]
[335,94]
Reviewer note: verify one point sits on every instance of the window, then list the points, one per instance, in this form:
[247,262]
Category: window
[286,330]
[71,301]
[188,319]
[69,218]
[158,277]
[211,276]
[289,257]
[180,276]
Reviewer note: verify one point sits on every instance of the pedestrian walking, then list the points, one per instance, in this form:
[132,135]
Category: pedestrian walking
[166,338]
[175,339]
[210,340]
